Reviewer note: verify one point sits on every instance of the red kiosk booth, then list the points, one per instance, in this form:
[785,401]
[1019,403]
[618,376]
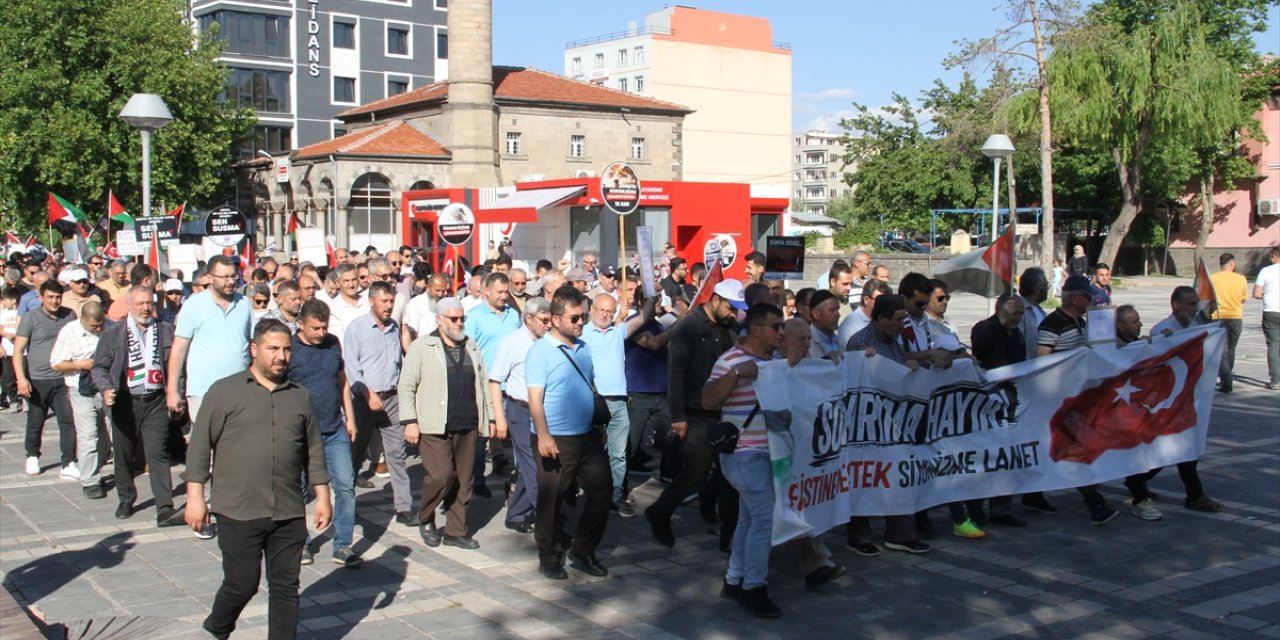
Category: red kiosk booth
[543,220]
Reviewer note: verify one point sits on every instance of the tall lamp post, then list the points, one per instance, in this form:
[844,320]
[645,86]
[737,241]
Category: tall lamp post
[997,147]
[146,112]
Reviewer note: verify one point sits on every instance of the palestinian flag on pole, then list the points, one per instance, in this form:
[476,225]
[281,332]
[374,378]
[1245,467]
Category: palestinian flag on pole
[177,212]
[987,271]
[1205,289]
[62,211]
[714,277]
[156,258]
[117,212]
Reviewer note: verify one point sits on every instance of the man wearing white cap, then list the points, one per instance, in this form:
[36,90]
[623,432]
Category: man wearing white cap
[77,294]
[172,302]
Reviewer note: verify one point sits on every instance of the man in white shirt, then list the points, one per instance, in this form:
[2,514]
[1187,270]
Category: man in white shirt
[1185,304]
[349,304]
[861,316]
[72,356]
[420,313]
[512,413]
[1267,289]
[1033,289]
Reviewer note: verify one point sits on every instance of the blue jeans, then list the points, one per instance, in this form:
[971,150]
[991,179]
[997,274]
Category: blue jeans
[619,432]
[342,482]
[750,472]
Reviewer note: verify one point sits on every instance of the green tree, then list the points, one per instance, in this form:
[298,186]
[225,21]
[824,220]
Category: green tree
[1133,88]
[67,67]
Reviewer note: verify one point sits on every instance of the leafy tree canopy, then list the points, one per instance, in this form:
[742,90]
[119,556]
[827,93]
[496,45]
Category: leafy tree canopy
[67,67]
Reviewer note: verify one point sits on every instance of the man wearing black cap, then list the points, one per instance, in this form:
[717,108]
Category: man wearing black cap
[1063,330]
[606,283]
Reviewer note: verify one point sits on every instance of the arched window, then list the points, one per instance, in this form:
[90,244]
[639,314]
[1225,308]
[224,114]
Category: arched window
[422,185]
[370,213]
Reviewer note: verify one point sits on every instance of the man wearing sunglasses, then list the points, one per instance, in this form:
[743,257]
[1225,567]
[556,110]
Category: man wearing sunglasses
[935,312]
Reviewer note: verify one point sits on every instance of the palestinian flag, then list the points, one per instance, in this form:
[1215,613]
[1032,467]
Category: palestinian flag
[62,211]
[117,212]
[987,271]
[333,258]
[177,213]
[156,257]
[1205,289]
[714,277]
[85,241]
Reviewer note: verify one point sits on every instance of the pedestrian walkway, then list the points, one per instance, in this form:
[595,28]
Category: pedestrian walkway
[1190,575]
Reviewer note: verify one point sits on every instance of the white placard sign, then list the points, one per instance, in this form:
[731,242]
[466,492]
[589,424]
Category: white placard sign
[644,244]
[184,258]
[311,247]
[127,243]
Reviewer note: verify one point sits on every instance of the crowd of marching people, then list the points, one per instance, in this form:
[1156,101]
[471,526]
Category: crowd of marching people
[281,383]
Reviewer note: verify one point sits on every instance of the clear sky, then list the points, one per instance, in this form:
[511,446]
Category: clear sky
[842,50]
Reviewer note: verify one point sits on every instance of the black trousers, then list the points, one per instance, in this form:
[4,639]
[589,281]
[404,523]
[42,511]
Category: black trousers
[582,463]
[49,395]
[695,464]
[141,421]
[1227,367]
[8,381]
[244,545]
[1137,483]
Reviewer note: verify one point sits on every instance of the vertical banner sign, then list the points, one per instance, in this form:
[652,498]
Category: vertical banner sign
[783,257]
[456,223]
[644,244]
[620,188]
[313,39]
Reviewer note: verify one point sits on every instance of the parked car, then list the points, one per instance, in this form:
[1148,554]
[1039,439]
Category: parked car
[903,245]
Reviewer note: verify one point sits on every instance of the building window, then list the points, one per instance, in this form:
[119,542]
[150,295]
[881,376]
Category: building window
[396,87]
[339,129]
[442,5]
[258,89]
[442,45]
[577,65]
[513,143]
[599,60]
[637,148]
[273,140]
[577,146]
[397,40]
[344,90]
[251,34]
[639,55]
[622,84]
[639,84]
[369,211]
[344,35]
[622,57]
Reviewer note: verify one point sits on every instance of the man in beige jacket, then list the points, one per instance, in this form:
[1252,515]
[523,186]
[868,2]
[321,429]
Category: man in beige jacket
[445,405]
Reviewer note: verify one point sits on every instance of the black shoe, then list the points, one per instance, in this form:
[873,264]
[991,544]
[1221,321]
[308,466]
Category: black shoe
[1038,503]
[1102,515]
[730,591]
[461,542]
[220,636]
[407,518]
[756,601]
[661,528]
[124,511]
[821,576]
[501,463]
[865,549]
[520,527]
[623,508]
[431,536]
[587,564]
[1009,521]
[481,491]
[168,517]
[94,492]
[553,571]
[363,483]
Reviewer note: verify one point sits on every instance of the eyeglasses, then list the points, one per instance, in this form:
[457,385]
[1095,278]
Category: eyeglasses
[588,262]
[942,298]
[575,318]
[259,302]
[459,319]
[919,303]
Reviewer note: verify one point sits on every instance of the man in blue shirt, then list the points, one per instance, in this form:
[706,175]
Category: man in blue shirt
[317,366]
[213,329]
[488,323]
[558,373]
[606,335]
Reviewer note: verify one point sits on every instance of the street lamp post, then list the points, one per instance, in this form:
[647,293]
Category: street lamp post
[146,112]
[997,147]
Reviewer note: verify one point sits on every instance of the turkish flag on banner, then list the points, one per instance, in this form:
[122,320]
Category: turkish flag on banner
[1154,397]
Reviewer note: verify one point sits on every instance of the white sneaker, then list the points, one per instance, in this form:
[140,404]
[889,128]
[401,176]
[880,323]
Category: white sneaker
[1147,510]
[33,466]
[206,532]
[70,472]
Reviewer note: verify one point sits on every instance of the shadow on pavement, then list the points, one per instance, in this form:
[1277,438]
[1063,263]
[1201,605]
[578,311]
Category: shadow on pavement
[386,573]
[44,576]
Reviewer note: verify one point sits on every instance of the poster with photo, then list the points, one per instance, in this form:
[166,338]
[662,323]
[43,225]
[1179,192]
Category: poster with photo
[784,257]
[620,188]
[721,247]
[456,223]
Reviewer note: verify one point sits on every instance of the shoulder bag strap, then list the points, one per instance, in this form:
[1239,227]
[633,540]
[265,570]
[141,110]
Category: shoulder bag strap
[568,357]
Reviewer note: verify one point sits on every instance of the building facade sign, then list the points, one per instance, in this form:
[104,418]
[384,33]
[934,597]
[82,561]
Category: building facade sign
[313,39]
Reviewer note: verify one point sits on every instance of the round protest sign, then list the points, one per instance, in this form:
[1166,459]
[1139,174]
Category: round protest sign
[620,188]
[225,226]
[456,223]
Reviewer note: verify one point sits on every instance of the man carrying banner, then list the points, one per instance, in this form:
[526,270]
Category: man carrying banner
[1064,330]
[998,341]
[861,316]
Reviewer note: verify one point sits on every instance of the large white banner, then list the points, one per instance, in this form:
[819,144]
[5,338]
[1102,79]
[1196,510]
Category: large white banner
[871,437]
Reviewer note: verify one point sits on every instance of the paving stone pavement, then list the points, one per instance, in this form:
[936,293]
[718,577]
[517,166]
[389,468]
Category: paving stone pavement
[1191,575]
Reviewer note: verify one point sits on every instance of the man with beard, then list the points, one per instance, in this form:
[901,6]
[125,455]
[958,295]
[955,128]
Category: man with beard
[692,352]
[72,356]
[43,387]
[444,390]
[255,436]
[420,313]
[288,305]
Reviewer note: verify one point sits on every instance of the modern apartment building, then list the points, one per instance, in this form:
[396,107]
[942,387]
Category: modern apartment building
[298,63]
[817,171]
[726,68]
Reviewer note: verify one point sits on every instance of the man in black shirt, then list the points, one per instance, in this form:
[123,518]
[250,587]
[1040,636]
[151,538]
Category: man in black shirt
[243,425]
[997,341]
[676,288]
[696,344]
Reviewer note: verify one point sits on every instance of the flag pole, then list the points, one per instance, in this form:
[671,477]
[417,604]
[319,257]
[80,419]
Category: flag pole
[622,264]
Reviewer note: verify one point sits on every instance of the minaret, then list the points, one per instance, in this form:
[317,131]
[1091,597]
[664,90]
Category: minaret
[470,111]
